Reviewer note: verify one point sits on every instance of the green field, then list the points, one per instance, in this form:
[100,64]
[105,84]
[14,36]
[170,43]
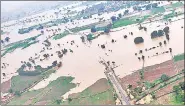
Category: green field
[93,95]
[19,83]
[177,4]
[85,98]
[58,88]
[129,21]
[158,10]
[179,57]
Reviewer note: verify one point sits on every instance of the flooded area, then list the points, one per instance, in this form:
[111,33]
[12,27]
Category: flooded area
[84,61]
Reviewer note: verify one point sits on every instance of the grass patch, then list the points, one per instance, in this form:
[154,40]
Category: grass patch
[58,88]
[78,29]
[61,35]
[177,4]
[23,98]
[179,57]
[93,95]
[129,21]
[158,10]
[29,44]
[87,98]
[19,83]
[20,44]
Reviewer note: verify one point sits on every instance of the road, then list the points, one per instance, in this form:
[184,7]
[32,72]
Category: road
[117,86]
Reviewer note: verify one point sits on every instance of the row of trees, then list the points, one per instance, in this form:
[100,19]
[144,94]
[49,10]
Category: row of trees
[160,33]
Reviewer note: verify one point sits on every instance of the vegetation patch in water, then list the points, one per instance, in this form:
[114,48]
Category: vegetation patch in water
[20,44]
[61,35]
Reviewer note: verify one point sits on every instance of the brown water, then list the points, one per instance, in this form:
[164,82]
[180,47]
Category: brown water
[83,62]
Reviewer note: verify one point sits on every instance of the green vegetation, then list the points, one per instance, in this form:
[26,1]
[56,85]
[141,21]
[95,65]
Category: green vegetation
[19,83]
[158,10]
[86,97]
[177,4]
[179,57]
[164,78]
[141,73]
[78,29]
[52,92]
[29,44]
[20,44]
[61,35]
[129,21]
[178,95]
[149,85]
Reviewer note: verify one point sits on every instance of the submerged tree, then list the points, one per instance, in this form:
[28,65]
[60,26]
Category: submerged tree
[113,18]
[154,34]
[138,40]
[7,39]
[93,29]
[54,63]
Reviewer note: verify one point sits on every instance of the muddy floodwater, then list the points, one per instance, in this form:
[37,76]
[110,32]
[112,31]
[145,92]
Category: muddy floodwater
[83,62]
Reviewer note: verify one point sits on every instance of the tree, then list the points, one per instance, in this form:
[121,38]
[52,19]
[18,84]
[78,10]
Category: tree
[69,99]
[166,30]
[126,12]
[17,93]
[154,34]
[160,33]
[58,101]
[93,29]
[141,74]
[10,90]
[176,89]
[103,46]
[107,30]
[138,40]
[138,90]
[28,64]
[113,18]
[129,86]
[7,39]
[145,29]
[153,95]
[45,56]
[140,27]
[182,85]
[137,20]
[2,41]
[120,15]
[54,63]
[82,38]
[164,77]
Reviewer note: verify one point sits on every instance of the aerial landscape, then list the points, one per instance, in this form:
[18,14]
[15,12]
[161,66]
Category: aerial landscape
[92,53]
